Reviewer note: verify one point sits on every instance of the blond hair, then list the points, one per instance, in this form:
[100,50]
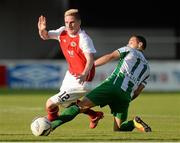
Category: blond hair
[73,12]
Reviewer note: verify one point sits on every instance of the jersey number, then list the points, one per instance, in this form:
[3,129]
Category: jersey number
[64,96]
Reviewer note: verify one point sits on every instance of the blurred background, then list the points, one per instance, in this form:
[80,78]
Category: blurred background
[26,60]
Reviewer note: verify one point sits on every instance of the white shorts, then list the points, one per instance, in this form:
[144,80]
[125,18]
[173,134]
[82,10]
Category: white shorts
[70,91]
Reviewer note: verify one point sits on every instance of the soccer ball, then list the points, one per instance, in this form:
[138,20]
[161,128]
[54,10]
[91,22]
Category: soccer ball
[41,126]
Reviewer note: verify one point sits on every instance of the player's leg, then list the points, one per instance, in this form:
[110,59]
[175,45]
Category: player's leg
[71,112]
[76,91]
[66,98]
[52,110]
[120,117]
[121,124]
[97,97]
[119,109]
[94,98]
[52,104]
[66,115]
[63,98]
[100,96]
[94,116]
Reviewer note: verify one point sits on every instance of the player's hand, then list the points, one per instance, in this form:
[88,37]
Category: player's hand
[81,78]
[42,28]
[42,23]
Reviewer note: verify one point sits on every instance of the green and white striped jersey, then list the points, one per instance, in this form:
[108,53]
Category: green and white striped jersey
[133,67]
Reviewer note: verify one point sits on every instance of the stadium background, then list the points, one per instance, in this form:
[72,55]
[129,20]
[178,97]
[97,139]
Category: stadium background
[157,19]
[109,23]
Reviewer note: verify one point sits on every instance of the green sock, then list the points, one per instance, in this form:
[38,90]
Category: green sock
[127,126]
[67,115]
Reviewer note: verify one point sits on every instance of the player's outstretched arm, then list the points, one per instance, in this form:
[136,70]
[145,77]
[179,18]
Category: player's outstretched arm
[43,33]
[106,58]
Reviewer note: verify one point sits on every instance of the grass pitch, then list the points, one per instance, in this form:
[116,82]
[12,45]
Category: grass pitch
[160,110]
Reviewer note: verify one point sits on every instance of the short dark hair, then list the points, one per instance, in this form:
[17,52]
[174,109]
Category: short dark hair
[143,40]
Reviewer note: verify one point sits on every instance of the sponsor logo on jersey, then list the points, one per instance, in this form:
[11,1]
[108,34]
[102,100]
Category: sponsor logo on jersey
[73,44]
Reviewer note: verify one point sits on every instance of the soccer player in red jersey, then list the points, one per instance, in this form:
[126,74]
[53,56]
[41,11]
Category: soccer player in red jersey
[78,50]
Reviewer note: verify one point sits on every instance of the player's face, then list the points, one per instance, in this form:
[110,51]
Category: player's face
[133,42]
[72,25]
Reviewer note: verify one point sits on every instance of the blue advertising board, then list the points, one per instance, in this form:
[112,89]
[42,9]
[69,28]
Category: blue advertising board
[34,76]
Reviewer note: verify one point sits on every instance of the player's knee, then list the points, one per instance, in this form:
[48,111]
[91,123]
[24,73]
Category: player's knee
[50,105]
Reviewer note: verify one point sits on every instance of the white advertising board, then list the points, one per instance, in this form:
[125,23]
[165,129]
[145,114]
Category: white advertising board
[165,75]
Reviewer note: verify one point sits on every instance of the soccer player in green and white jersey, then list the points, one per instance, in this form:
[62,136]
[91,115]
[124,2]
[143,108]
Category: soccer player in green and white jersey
[124,84]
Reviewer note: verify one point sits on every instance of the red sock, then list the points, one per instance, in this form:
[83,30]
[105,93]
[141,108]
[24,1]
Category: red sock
[91,113]
[53,113]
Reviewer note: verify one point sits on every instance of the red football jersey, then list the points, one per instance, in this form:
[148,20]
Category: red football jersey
[73,48]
